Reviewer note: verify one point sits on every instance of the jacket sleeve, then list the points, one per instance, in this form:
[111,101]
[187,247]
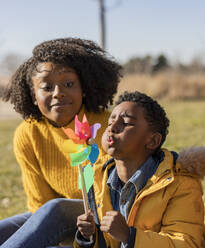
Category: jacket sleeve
[37,189]
[182,222]
[80,241]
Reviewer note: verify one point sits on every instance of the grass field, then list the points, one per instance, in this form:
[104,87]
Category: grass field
[187,129]
[12,197]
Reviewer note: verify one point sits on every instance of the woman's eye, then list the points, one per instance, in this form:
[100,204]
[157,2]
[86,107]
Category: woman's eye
[46,87]
[68,84]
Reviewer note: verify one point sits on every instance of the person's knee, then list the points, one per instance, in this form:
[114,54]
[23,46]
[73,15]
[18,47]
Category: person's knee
[54,206]
[63,208]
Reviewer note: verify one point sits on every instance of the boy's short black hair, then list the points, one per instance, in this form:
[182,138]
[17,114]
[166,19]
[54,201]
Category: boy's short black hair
[99,74]
[153,112]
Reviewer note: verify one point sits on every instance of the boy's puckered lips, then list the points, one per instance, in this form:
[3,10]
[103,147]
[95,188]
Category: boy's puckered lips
[110,140]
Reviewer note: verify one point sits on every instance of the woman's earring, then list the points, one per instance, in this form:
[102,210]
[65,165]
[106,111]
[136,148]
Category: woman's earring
[35,103]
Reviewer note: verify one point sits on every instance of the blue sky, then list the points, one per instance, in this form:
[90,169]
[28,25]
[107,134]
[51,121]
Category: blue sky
[134,27]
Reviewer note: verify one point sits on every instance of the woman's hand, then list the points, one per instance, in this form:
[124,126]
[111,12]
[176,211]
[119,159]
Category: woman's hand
[115,224]
[86,224]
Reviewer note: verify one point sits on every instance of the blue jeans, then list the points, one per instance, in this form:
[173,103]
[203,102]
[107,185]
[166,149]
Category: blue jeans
[10,225]
[51,224]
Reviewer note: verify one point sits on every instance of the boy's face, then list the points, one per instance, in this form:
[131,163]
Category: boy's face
[58,92]
[127,133]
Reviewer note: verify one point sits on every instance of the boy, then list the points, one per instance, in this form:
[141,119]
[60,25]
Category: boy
[142,197]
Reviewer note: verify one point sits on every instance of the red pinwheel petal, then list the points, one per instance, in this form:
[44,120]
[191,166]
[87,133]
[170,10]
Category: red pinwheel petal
[82,130]
[77,126]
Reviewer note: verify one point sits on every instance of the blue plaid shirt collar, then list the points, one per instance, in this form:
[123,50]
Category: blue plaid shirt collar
[139,179]
[123,196]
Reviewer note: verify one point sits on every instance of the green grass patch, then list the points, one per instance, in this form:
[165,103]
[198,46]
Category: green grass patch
[187,128]
[12,196]
[187,124]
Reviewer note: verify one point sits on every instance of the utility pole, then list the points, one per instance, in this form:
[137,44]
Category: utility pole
[102,23]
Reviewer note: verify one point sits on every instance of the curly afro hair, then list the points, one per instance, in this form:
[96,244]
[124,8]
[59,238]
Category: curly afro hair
[153,112]
[99,74]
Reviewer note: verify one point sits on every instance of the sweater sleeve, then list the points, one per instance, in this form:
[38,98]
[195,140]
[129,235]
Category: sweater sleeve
[182,222]
[37,189]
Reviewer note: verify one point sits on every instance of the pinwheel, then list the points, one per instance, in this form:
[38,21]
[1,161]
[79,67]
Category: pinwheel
[81,146]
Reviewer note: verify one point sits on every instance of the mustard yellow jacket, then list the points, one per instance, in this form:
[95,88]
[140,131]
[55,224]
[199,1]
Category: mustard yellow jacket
[167,212]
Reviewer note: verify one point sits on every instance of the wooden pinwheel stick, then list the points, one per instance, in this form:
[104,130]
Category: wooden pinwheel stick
[85,197]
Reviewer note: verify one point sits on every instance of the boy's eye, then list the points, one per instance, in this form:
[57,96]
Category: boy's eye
[128,124]
[68,84]
[110,121]
[125,123]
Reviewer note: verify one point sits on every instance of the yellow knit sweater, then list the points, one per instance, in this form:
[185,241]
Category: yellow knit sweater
[46,170]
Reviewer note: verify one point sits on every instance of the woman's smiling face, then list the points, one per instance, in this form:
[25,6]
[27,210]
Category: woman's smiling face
[58,92]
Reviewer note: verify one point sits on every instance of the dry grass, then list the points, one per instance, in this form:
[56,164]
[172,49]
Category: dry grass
[167,85]
[4,80]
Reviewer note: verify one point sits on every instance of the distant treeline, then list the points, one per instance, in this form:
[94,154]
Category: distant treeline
[136,65]
[10,62]
[150,65]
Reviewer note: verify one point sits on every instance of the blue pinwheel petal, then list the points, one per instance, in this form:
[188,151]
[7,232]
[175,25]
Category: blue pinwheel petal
[86,150]
[94,153]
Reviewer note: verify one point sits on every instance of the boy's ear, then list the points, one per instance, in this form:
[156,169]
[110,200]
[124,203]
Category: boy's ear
[154,141]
